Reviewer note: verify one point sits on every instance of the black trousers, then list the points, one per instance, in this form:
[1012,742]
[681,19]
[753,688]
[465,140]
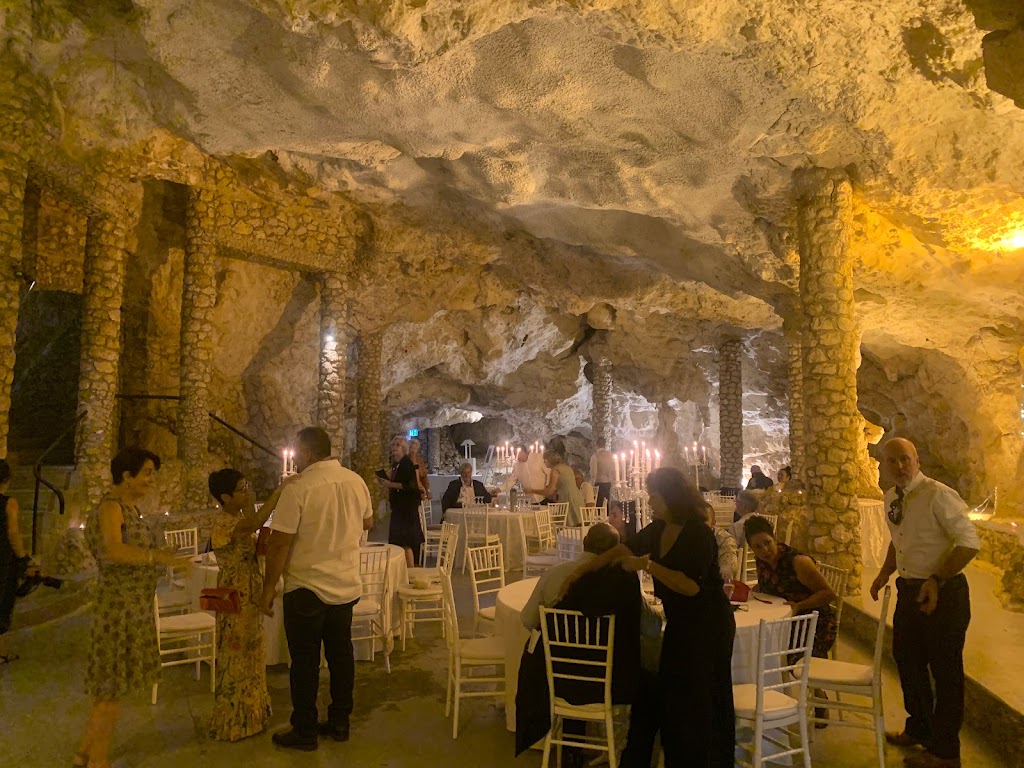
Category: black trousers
[690,704]
[604,492]
[931,648]
[309,622]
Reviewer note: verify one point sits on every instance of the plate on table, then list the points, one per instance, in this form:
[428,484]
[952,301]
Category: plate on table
[373,545]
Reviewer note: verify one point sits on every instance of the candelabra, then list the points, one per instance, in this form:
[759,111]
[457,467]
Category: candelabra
[288,463]
[630,486]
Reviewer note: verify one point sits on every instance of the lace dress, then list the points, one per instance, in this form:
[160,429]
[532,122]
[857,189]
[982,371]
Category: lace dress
[241,704]
[782,581]
[124,656]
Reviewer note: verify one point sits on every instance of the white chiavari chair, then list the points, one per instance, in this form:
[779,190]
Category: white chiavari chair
[422,604]
[189,638]
[487,577]
[370,614]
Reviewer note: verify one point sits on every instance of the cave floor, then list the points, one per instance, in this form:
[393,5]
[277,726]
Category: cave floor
[399,719]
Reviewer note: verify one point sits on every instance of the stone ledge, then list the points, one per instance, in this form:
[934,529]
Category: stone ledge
[996,721]
[1002,545]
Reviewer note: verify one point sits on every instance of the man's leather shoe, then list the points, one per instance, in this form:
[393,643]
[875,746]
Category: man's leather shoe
[292,740]
[928,760]
[336,732]
[902,739]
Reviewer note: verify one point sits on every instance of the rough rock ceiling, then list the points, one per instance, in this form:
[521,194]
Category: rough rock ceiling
[631,159]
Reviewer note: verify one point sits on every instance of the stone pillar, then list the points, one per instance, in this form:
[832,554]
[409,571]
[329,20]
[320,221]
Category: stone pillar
[824,218]
[730,412]
[600,416]
[434,449]
[333,350]
[109,238]
[13,178]
[369,423]
[199,296]
[791,331]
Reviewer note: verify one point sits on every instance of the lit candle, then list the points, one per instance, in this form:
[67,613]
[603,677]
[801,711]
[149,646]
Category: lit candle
[705,451]
[657,459]
[284,462]
[687,449]
[616,458]
[291,461]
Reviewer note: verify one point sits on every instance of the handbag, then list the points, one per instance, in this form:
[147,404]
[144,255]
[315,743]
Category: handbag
[220,600]
[740,592]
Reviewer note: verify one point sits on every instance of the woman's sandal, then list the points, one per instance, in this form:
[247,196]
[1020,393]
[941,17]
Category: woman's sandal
[80,760]
[9,658]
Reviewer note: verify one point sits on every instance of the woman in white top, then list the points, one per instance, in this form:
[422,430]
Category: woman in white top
[728,553]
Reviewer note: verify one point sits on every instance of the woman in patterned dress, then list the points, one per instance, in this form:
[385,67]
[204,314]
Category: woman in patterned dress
[784,572]
[241,705]
[124,657]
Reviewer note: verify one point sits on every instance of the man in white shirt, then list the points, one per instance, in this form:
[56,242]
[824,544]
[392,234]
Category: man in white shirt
[932,541]
[314,544]
[599,539]
[529,471]
[744,506]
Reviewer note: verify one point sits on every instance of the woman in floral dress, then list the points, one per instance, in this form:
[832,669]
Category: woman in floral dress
[241,706]
[124,656]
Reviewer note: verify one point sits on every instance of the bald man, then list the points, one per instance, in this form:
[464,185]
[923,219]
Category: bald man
[932,541]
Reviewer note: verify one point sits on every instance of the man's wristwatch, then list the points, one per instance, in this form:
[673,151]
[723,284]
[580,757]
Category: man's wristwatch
[937,579]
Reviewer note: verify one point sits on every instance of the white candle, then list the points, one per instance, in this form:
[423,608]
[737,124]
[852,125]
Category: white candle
[705,451]
[657,459]
[284,462]
[616,458]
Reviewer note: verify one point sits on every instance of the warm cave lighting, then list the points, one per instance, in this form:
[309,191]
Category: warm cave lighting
[1012,242]
[329,339]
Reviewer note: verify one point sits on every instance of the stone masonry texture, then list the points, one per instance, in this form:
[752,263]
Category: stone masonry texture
[824,215]
[730,401]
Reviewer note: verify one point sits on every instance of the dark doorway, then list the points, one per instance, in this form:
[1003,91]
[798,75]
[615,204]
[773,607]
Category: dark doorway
[44,395]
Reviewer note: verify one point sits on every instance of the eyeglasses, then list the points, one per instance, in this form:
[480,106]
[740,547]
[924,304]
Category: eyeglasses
[896,511]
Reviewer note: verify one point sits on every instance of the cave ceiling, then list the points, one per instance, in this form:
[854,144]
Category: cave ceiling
[601,166]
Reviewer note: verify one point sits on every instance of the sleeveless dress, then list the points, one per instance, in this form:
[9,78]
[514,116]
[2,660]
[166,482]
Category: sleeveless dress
[782,581]
[124,656]
[566,490]
[8,571]
[241,705]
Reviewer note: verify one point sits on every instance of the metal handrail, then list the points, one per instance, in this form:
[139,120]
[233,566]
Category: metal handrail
[248,438]
[37,473]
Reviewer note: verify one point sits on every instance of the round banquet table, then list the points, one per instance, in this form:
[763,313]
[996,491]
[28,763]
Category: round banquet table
[513,598]
[499,521]
[203,573]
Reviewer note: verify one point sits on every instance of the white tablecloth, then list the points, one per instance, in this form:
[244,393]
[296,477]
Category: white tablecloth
[874,533]
[204,574]
[513,597]
[503,523]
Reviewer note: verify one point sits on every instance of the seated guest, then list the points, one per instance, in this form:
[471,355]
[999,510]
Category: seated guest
[785,475]
[600,538]
[617,520]
[759,481]
[606,591]
[784,572]
[728,555]
[587,491]
[464,492]
[744,506]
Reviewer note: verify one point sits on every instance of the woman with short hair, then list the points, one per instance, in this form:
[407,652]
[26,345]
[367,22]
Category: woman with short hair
[241,704]
[124,656]
[404,498]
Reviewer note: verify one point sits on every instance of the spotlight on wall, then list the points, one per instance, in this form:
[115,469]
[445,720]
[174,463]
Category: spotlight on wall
[329,339]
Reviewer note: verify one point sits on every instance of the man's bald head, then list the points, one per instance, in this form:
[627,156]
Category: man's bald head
[600,538]
[901,461]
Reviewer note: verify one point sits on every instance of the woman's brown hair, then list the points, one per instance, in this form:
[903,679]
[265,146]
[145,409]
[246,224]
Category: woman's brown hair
[682,498]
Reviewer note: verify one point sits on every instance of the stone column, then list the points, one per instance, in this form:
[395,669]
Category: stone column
[792,333]
[600,416]
[199,296]
[824,217]
[730,412]
[369,422]
[333,350]
[434,449]
[13,178]
[109,238]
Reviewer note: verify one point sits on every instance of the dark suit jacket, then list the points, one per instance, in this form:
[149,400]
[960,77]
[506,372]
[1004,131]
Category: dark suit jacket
[451,495]
[608,591]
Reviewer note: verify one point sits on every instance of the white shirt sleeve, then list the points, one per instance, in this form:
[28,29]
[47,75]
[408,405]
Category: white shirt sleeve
[288,511]
[951,513]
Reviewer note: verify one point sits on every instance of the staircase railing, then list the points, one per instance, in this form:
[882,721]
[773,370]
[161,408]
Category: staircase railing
[37,473]
[214,417]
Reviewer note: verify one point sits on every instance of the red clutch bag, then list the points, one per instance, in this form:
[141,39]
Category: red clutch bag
[220,600]
[740,592]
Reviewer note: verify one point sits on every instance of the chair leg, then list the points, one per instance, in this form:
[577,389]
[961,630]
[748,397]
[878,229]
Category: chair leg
[153,698]
[547,751]
[880,735]
[458,690]
[404,619]
[805,744]
[609,725]
[448,694]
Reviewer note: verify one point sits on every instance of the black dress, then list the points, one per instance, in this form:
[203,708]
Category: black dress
[691,703]
[8,571]
[405,528]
